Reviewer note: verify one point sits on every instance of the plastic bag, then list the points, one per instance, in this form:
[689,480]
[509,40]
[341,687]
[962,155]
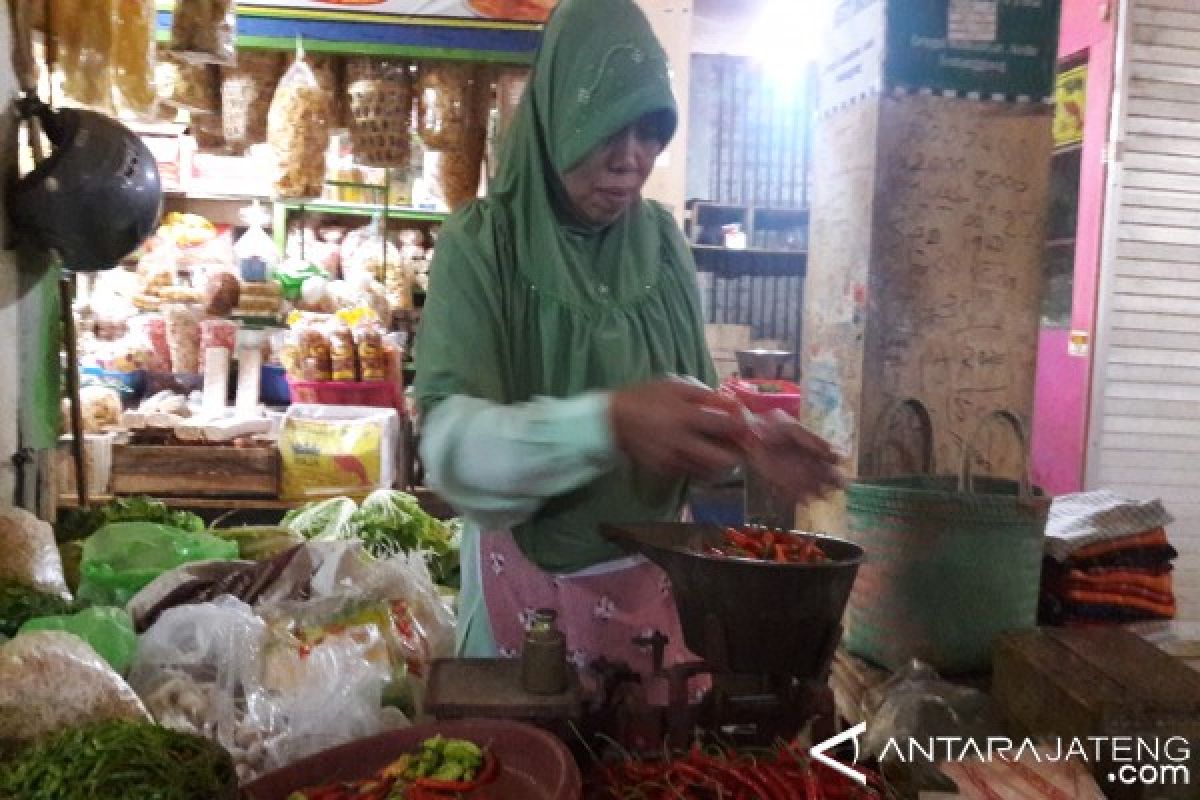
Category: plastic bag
[30,554]
[198,668]
[154,328]
[50,680]
[255,251]
[337,450]
[183,336]
[368,254]
[390,605]
[246,92]
[298,131]
[108,630]
[135,53]
[209,669]
[380,117]
[915,702]
[191,87]
[89,79]
[205,31]
[445,93]
[330,689]
[120,559]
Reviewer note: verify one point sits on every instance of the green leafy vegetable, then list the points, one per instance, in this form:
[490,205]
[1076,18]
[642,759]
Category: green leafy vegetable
[388,522]
[119,759]
[322,520]
[20,603]
[80,524]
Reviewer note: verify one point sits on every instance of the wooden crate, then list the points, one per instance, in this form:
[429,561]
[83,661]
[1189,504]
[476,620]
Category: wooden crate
[167,471]
[1100,682]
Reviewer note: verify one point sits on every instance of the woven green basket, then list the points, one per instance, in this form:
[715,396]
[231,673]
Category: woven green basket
[951,562]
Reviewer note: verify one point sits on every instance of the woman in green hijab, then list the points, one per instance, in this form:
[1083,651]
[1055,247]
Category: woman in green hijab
[562,373]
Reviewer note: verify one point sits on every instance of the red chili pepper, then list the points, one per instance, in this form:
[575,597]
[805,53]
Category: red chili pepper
[775,782]
[812,785]
[781,554]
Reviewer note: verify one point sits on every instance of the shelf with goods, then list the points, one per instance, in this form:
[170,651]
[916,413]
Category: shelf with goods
[209,180]
[735,240]
[341,31]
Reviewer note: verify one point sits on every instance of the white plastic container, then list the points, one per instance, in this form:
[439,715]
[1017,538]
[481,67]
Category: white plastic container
[97,459]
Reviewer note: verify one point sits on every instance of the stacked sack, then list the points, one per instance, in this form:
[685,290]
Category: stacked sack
[1108,561]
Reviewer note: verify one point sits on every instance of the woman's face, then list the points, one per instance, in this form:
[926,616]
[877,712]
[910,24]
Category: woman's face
[609,180]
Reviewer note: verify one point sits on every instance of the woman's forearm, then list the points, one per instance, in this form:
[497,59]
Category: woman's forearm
[497,464]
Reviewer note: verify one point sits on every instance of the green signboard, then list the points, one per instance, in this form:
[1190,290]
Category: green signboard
[988,47]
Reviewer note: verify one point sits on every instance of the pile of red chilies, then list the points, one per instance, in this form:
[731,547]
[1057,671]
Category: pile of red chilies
[725,775]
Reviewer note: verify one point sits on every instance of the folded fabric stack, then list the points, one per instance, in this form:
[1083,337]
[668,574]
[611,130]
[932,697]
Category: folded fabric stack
[1108,561]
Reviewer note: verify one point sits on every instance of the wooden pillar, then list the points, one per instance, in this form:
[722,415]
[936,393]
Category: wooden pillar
[930,192]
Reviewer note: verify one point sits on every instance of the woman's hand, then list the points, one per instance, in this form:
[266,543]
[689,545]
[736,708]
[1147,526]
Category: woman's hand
[678,428]
[798,465]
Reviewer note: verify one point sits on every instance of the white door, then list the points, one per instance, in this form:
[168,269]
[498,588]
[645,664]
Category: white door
[1144,434]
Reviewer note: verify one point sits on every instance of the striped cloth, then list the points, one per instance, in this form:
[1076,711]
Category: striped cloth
[1079,521]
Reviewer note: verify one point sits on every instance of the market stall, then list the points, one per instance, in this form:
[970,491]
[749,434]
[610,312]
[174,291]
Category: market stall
[250,364]
[308,158]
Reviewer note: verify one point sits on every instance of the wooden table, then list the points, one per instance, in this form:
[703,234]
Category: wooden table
[431,502]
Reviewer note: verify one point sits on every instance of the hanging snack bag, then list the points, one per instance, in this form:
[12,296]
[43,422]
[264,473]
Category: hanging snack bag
[445,99]
[328,72]
[190,87]
[246,92]
[85,64]
[135,53]
[205,31]
[298,131]
[381,116]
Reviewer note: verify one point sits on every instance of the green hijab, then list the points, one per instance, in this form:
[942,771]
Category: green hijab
[525,301]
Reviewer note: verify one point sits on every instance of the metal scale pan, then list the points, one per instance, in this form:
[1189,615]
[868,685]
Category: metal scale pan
[748,616]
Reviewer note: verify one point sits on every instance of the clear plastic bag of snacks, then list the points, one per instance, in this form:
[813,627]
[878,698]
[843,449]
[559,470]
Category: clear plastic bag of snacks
[220,333]
[205,31]
[85,38]
[369,256]
[372,355]
[153,328]
[183,336]
[191,87]
[381,115]
[135,54]
[445,93]
[298,131]
[246,92]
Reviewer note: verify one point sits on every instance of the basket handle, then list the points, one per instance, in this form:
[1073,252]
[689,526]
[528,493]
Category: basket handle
[966,476]
[922,413]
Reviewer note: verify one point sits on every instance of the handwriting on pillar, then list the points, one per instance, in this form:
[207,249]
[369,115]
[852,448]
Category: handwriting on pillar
[959,242]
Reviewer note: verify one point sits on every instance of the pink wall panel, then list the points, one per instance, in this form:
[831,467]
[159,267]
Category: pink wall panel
[1058,424]
[1063,381]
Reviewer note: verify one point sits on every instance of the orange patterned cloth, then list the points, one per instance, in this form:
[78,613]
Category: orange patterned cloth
[1150,539]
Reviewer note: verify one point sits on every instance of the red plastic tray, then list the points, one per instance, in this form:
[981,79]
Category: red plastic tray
[789,398]
[533,764]
[373,394]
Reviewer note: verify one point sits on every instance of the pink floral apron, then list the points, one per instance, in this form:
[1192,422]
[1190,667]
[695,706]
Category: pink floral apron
[601,609]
